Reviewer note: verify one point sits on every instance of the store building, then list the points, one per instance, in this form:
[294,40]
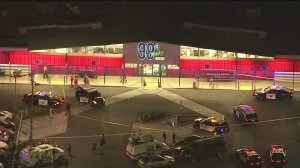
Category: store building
[157,59]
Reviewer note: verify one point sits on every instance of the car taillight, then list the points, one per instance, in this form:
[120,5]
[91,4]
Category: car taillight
[62,101]
[272,161]
[246,120]
[262,162]
[251,164]
[283,160]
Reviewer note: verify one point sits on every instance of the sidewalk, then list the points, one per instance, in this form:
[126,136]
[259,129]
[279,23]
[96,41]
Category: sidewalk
[152,82]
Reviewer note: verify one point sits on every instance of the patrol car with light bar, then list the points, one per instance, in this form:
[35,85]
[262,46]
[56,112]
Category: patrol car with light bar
[245,113]
[211,124]
[274,92]
[249,157]
[277,155]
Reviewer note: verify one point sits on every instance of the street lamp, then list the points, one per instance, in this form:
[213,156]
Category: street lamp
[32,82]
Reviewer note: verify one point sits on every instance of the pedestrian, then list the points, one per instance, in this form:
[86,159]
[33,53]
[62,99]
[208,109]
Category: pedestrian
[85,79]
[45,75]
[50,113]
[174,137]
[69,149]
[66,163]
[165,137]
[93,147]
[76,82]
[68,109]
[72,80]
[102,142]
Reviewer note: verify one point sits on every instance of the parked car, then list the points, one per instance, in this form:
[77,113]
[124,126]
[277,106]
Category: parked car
[6,135]
[156,161]
[274,92]
[245,113]
[211,124]
[89,95]
[43,98]
[6,116]
[277,155]
[151,116]
[200,148]
[249,157]
[41,155]
[8,125]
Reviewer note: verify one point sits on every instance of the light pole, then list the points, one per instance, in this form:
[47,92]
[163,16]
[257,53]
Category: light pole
[32,82]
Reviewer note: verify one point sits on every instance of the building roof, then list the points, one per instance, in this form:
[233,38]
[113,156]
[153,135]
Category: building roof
[263,28]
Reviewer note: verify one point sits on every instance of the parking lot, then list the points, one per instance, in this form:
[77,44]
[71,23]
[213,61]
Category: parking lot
[278,124]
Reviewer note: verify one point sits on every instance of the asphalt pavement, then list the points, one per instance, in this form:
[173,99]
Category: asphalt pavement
[115,122]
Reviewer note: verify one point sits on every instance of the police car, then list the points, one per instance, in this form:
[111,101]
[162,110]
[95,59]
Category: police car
[249,157]
[277,155]
[41,155]
[211,124]
[6,116]
[89,95]
[43,98]
[245,113]
[274,92]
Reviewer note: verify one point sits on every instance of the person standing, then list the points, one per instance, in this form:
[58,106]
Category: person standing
[102,142]
[69,149]
[45,72]
[50,113]
[85,79]
[165,137]
[76,82]
[94,147]
[72,80]
[68,108]
[174,137]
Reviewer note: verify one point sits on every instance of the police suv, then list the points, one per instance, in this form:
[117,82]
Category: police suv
[277,155]
[245,113]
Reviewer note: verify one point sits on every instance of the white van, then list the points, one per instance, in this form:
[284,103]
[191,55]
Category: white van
[137,148]
[41,154]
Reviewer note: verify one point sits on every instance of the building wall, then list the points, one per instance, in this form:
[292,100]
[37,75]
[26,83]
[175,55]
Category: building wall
[171,54]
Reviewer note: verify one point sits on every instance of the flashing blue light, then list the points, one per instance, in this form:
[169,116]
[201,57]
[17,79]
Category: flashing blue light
[247,109]
[222,129]
[42,93]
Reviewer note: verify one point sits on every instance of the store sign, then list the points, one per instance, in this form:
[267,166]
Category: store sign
[149,51]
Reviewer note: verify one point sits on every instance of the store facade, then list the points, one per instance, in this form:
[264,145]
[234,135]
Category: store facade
[153,60]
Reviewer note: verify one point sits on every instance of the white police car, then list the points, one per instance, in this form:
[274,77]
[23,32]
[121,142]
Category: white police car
[277,155]
[249,157]
[245,113]
[211,124]
[6,116]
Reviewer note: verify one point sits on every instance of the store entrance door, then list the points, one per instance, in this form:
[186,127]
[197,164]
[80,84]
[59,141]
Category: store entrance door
[151,73]
[152,70]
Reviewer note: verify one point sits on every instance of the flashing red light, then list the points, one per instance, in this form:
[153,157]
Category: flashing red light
[62,101]
[251,164]
[284,161]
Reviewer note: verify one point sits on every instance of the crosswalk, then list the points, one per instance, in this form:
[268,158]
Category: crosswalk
[46,126]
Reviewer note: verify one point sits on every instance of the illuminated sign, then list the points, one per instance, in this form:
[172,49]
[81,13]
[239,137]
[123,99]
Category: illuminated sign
[150,51]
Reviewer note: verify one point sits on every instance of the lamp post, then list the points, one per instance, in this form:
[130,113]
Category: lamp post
[32,82]
[15,74]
